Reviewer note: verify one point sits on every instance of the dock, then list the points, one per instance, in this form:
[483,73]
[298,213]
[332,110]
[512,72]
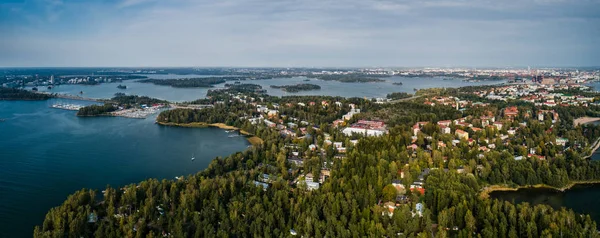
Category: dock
[137,112]
[70,107]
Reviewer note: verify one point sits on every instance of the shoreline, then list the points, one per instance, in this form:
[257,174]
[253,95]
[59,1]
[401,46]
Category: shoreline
[254,140]
[486,191]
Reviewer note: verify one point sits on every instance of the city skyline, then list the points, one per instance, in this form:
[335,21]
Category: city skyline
[261,33]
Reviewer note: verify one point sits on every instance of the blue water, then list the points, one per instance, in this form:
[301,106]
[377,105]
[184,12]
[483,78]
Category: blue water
[47,154]
[328,88]
[581,198]
[369,90]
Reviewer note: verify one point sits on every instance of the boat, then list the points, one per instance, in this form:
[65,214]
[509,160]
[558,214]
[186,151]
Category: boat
[80,92]
[50,87]
[193,158]
[122,86]
[34,89]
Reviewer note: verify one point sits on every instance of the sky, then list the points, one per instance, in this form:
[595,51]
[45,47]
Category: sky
[299,33]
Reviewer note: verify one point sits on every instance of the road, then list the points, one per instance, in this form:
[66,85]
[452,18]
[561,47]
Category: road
[405,99]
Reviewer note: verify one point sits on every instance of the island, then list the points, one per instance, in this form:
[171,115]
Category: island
[186,82]
[297,88]
[397,83]
[342,167]
[21,94]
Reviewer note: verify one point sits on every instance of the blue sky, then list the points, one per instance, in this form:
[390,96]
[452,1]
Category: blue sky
[292,33]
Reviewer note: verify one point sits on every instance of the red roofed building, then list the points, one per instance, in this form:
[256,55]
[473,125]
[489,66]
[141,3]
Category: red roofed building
[511,112]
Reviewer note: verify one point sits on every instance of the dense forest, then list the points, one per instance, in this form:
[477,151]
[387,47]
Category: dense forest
[297,88]
[96,110]
[121,98]
[399,95]
[356,197]
[20,94]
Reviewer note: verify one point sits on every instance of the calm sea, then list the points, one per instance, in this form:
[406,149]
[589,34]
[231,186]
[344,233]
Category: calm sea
[328,88]
[47,154]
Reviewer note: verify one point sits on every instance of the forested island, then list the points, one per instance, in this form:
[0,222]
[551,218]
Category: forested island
[348,78]
[426,174]
[297,88]
[21,94]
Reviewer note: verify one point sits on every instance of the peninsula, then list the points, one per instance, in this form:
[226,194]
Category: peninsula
[21,94]
[404,165]
[131,106]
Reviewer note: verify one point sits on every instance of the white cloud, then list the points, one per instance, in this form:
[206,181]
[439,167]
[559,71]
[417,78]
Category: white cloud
[303,33]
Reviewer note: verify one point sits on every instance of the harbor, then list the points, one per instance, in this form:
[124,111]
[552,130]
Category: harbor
[70,107]
[137,113]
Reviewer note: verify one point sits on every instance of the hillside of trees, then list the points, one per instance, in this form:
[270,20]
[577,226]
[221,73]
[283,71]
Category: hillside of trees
[224,200]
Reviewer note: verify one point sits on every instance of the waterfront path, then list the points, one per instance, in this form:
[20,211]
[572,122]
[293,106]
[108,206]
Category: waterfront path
[594,148]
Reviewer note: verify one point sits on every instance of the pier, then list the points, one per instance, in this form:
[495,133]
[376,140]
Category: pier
[70,107]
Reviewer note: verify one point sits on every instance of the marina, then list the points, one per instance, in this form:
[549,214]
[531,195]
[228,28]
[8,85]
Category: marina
[138,113]
[70,107]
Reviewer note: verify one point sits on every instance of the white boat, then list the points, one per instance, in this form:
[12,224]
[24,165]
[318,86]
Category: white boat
[193,158]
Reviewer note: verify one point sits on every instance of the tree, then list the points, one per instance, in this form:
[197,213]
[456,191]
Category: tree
[389,193]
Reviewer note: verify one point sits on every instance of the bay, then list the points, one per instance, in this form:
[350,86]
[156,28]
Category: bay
[47,154]
[328,88]
[368,90]
[582,198]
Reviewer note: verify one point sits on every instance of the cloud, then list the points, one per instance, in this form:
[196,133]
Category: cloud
[307,33]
